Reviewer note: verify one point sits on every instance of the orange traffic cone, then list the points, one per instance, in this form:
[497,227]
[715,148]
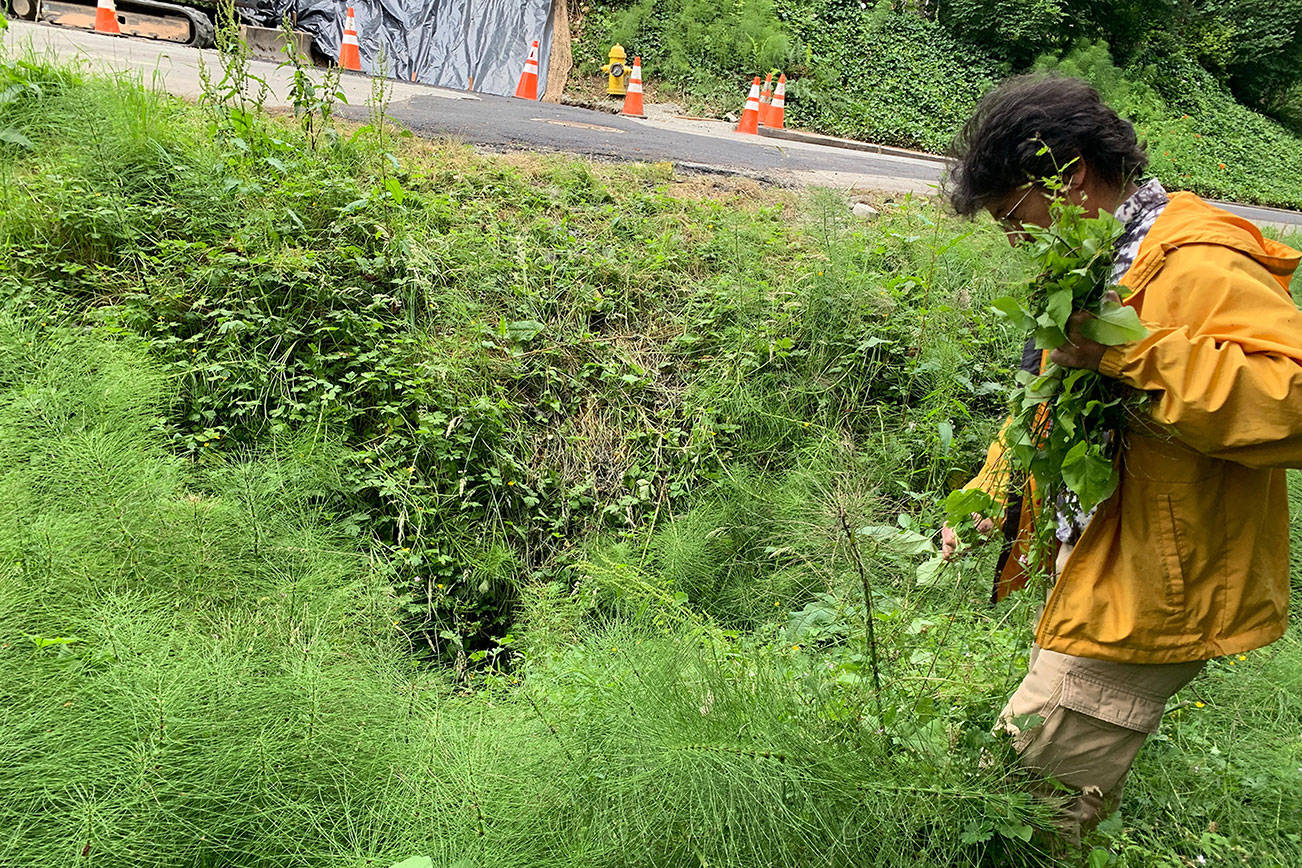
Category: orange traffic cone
[633,98]
[766,96]
[106,18]
[778,110]
[528,86]
[350,57]
[749,122]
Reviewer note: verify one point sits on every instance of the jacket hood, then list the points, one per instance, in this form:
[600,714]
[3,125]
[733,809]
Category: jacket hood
[1190,220]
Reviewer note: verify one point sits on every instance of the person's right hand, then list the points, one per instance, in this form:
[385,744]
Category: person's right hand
[949,539]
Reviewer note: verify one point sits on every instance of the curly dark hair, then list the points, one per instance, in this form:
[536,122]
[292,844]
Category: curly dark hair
[1003,144]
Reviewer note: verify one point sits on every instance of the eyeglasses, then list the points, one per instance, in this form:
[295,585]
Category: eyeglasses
[1007,222]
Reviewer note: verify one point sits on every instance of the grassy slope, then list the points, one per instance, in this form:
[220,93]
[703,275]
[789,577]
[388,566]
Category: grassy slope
[202,663]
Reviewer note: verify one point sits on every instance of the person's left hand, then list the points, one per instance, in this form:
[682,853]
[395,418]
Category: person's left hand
[1080,351]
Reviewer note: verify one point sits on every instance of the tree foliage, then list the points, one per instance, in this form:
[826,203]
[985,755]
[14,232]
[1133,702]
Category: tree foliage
[1014,30]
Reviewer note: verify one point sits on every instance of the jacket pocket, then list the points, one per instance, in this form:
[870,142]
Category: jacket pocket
[1170,549]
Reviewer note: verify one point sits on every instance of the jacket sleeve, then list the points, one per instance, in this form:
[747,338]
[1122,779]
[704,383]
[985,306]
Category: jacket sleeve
[1223,358]
[994,475]
[992,478]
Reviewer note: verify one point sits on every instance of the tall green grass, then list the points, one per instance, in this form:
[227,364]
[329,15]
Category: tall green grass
[238,511]
[511,358]
[197,670]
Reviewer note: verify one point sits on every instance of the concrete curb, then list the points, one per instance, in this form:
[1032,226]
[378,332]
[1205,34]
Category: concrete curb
[848,144]
[1269,209]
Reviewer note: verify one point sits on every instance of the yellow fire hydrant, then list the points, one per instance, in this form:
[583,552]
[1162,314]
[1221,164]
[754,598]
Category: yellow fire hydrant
[617,84]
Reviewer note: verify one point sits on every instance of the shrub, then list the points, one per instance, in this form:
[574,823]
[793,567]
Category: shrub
[1012,31]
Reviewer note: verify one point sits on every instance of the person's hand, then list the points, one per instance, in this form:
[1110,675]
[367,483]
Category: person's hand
[1080,351]
[949,539]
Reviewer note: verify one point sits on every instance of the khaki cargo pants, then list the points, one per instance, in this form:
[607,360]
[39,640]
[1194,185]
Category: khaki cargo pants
[1091,718]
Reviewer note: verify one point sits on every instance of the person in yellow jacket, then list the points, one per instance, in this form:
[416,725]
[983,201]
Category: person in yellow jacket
[1188,560]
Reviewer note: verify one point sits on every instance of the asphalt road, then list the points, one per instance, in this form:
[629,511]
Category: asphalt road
[504,123]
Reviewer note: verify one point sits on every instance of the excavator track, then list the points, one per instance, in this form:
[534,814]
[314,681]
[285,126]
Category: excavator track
[143,19]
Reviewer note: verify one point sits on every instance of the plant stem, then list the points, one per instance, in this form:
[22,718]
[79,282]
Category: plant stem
[870,636]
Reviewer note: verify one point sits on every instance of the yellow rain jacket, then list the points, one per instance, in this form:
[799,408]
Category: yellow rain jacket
[1188,560]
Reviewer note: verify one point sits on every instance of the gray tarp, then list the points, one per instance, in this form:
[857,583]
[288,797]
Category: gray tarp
[449,43]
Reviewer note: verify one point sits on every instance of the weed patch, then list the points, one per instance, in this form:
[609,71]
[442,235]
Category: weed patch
[373,499]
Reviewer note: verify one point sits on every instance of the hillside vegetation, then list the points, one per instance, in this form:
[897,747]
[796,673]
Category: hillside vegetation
[373,502]
[1214,89]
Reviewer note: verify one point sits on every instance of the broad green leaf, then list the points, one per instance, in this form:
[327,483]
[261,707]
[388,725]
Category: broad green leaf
[1023,453]
[918,626]
[1049,337]
[1089,474]
[930,571]
[1012,310]
[1046,385]
[415,862]
[1073,377]
[1059,307]
[13,137]
[960,506]
[14,91]
[1100,858]
[395,190]
[1021,831]
[1024,722]
[897,540]
[946,432]
[523,331]
[1114,324]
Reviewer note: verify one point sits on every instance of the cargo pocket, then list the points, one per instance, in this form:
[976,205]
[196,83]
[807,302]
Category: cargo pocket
[1112,703]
